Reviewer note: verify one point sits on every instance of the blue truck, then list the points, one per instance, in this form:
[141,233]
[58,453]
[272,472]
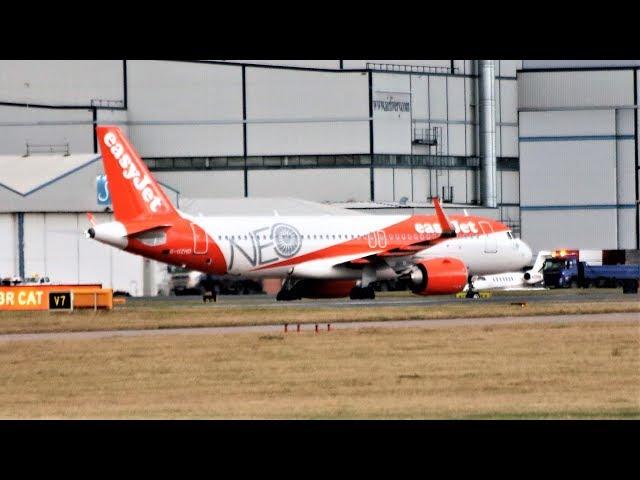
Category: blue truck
[568,271]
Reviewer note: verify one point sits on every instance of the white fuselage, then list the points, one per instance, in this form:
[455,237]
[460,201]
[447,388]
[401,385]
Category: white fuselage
[323,242]
[512,280]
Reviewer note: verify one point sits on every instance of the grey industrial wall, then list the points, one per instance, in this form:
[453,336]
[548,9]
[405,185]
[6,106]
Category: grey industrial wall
[194,109]
[341,184]
[54,246]
[186,109]
[578,154]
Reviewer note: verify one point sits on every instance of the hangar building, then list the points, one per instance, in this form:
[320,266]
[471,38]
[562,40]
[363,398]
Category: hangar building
[550,149]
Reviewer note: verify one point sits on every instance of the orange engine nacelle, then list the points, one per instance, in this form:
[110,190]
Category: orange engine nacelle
[438,276]
[312,288]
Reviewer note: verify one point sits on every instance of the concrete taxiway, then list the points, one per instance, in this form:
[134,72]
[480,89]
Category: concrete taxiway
[394,299]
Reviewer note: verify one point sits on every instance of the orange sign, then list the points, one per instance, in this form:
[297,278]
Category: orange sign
[23,298]
[34,297]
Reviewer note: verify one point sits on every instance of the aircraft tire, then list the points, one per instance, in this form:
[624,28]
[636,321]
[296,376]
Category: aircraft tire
[358,293]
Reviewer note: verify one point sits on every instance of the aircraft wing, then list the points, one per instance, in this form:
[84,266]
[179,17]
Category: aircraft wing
[410,249]
[356,257]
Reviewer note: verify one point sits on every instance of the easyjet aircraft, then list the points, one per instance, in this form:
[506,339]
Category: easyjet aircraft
[316,256]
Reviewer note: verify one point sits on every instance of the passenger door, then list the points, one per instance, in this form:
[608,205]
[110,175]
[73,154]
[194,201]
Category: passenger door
[200,240]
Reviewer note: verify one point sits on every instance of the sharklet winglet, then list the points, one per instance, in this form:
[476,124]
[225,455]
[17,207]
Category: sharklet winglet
[445,224]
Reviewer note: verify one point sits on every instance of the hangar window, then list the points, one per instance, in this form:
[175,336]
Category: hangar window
[235,162]
[164,163]
[183,163]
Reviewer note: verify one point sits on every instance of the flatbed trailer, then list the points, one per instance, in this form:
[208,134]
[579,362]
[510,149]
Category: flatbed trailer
[627,276]
[568,271]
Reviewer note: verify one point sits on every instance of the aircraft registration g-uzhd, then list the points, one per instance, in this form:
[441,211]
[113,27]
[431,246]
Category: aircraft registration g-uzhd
[317,256]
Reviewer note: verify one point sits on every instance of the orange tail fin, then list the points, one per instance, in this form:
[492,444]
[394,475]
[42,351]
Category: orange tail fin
[135,194]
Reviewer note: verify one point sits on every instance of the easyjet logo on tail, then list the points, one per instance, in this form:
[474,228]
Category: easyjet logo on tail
[131,172]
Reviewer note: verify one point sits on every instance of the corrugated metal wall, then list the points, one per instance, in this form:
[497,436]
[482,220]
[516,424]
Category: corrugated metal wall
[205,184]
[332,64]
[575,89]
[73,192]
[337,185]
[202,109]
[577,154]
[55,246]
[325,98]
[185,96]
[55,82]
[8,245]
[391,93]
[17,127]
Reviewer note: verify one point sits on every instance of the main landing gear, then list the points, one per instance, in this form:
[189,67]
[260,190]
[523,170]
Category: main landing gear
[365,290]
[288,291]
[360,293]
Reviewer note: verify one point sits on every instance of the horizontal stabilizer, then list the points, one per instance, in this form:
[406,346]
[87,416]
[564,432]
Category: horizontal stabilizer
[134,228]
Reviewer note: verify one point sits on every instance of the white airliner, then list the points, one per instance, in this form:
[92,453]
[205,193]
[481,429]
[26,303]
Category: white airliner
[529,280]
[317,256]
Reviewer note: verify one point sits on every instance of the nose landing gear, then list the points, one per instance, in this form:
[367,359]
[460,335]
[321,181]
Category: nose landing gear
[471,292]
